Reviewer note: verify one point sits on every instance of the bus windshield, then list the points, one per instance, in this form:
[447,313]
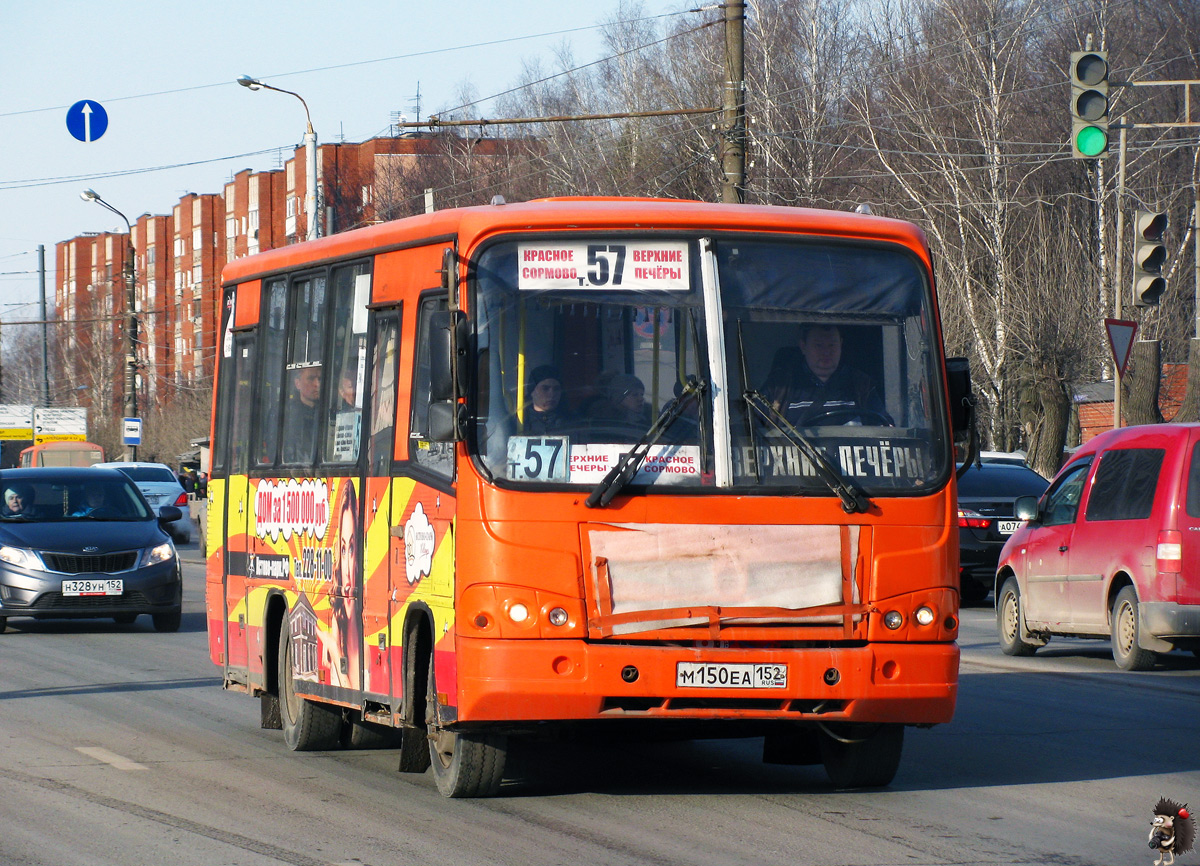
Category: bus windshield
[757,364]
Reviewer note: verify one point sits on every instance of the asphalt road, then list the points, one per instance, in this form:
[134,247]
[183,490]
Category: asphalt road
[118,746]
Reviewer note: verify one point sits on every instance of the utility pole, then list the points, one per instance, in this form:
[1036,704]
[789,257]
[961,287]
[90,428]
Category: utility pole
[45,401]
[733,106]
[131,329]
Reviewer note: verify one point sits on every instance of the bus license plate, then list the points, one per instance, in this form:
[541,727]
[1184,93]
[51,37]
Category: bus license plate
[706,675]
[1008,527]
[108,586]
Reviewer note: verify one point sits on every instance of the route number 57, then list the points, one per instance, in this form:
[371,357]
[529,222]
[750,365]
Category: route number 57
[606,264]
[537,458]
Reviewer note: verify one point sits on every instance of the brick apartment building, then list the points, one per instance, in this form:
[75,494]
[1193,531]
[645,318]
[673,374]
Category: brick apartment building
[178,260]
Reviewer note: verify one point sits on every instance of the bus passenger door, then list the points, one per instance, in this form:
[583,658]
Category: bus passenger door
[378,604]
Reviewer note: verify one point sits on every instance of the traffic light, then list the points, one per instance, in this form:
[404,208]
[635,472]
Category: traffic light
[1089,104]
[1149,255]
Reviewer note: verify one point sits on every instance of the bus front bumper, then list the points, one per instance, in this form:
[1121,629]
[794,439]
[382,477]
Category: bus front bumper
[537,680]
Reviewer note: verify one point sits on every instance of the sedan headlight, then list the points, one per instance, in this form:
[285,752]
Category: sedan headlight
[18,556]
[163,553]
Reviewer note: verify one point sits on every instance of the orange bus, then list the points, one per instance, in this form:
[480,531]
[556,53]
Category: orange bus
[67,453]
[504,471]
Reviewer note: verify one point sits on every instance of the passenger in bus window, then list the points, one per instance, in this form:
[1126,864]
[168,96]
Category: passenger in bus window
[300,419]
[348,390]
[625,406]
[545,410]
[813,387]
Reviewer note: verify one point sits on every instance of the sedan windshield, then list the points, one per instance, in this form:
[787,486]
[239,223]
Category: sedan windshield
[807,365]
[103,499]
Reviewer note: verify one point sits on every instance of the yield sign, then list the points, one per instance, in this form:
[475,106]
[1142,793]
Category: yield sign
[1120,340]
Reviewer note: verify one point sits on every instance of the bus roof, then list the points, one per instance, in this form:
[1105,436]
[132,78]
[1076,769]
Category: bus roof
[65,445]
[471,224]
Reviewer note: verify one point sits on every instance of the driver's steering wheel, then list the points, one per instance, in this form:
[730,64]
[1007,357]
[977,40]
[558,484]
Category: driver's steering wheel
[836,417]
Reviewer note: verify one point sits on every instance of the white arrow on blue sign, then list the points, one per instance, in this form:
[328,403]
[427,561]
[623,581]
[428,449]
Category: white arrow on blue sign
[87,120]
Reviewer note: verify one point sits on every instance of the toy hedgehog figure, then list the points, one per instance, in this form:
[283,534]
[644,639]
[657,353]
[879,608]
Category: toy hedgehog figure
[1173,831]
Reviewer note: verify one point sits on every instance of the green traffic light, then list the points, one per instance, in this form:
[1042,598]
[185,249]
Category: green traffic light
[1091,141]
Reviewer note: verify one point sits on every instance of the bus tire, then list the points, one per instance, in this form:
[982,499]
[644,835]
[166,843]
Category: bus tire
[465,764]
[363,735]
[1127,652]
[862,756]
[1010,623]
[308,726]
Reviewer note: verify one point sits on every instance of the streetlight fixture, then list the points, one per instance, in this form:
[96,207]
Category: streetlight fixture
[131,319]
[310,154]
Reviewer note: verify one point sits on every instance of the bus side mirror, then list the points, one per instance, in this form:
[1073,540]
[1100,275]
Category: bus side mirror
[443,421]
[958,378]
[447,348]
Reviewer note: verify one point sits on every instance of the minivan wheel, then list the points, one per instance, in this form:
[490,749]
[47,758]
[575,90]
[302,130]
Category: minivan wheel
[1008,621]
[1128,655]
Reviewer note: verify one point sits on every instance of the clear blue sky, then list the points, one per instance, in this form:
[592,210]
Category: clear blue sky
[165,73]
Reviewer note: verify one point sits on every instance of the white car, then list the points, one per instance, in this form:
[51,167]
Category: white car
[160,487]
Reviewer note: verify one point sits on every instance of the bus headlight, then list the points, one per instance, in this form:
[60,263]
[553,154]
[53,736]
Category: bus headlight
[518,612]
[893,619]
[924,615]
[558,616]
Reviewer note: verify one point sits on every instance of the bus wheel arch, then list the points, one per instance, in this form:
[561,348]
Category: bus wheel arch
[273,618]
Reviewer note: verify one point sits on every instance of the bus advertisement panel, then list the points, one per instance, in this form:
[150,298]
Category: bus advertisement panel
[499,472]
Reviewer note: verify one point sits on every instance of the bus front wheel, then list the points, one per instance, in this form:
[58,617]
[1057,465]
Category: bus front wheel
[862,756]
[465,764]
[308,726]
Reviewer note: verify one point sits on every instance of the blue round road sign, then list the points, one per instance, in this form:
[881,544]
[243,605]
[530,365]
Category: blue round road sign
[87,120]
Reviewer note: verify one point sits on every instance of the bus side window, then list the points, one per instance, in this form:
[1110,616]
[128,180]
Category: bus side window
[305,376]
[237,430]
[348,321]
[435,456]
[385,358]
[271,371]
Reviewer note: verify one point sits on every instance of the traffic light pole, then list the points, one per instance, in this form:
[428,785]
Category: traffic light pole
[1120,291]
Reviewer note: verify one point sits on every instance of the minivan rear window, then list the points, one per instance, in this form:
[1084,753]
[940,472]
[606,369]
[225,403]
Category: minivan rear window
[1125,484]
[1193,488]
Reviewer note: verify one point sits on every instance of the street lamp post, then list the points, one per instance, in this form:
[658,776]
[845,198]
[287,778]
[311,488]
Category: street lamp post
[131,319]
[310,155]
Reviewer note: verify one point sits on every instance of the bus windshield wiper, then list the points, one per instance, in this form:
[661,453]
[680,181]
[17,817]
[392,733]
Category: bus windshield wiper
[853,500]
[627,466]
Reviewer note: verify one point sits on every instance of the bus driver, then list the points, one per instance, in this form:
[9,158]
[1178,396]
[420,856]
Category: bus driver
[816,388]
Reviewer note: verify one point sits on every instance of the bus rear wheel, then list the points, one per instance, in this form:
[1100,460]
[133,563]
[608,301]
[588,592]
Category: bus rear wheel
[465,764]
[308,726]
[862,756]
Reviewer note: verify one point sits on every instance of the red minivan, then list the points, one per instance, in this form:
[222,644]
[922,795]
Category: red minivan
[1110,550]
